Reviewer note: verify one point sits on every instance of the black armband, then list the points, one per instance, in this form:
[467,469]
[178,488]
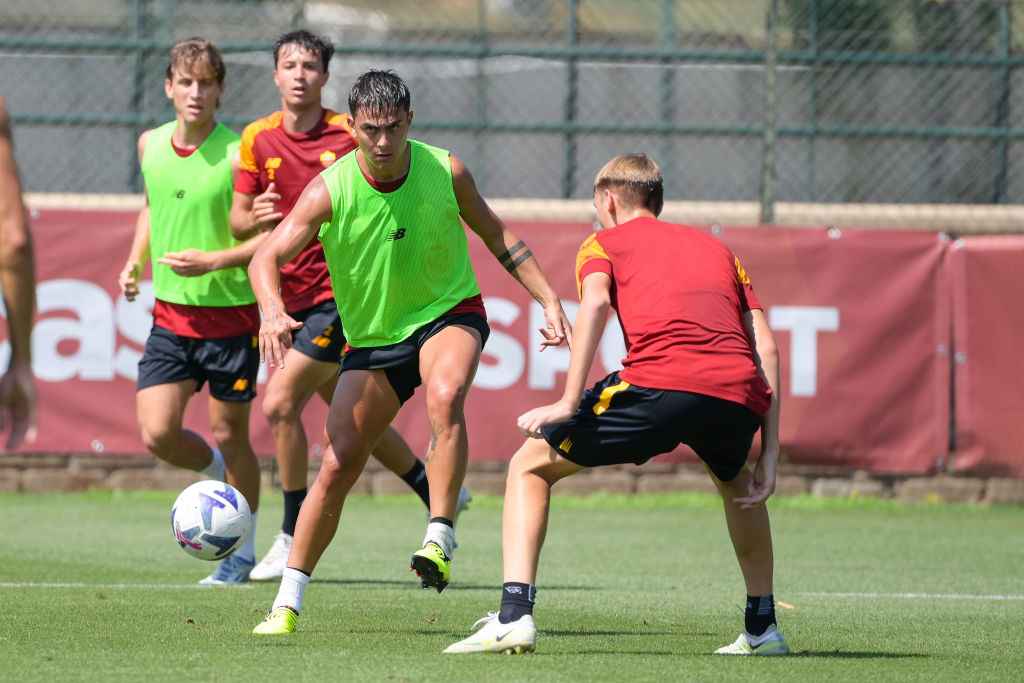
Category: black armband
[510,260]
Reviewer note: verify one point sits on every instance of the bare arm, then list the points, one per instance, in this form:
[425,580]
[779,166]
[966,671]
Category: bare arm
[766,357]
[511,252]
[130,275]
[302,224]
[17,258]
[18,402]
[252,214]
[590,320]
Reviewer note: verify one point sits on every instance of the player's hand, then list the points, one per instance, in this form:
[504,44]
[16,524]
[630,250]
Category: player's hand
[128,280]
[264,208]
[558,328]
[762,482]
[189,263]
[530,422]
[19,405]
[276,338]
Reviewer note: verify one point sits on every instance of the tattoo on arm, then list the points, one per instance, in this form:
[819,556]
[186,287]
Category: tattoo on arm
[514,256]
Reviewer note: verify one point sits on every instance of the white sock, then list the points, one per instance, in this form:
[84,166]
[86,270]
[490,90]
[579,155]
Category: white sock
[293,587]
[217,469]
[441,534]
[248,549]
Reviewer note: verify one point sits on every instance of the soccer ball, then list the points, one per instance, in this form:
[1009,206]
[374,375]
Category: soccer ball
[210,520]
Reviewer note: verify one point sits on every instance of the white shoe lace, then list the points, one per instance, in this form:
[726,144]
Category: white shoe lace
[491,616]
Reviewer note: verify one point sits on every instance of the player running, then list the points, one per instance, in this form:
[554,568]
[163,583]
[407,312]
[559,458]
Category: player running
[205,317]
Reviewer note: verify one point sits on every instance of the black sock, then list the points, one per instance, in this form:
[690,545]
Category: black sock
[516,601]
[292,503]
[417,479]
[443,520]
[760,614]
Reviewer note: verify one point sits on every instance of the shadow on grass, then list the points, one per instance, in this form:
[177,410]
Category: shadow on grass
[839,654]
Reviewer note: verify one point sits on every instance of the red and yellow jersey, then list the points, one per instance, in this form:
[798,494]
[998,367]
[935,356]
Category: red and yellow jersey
[270,154]
[680,296]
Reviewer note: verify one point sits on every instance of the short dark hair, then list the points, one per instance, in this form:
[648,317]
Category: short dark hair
[379,92]
[317,45]
[636,179]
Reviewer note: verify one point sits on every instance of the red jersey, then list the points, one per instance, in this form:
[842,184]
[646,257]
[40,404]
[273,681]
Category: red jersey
[680,296]
[268,154]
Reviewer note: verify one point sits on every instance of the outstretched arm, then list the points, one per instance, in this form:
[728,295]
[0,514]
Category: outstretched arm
[590,320]
[766,357]
[511,252]
[18,403]
[311,211]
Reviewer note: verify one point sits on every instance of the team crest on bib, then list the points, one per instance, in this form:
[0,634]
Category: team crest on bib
[327,158]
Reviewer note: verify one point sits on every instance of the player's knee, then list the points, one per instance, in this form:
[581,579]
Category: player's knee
[230,436]
[341,469]
[278,408]
[162,440]
[445,401]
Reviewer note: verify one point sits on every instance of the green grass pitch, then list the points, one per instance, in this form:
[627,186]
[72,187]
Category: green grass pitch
[631,588]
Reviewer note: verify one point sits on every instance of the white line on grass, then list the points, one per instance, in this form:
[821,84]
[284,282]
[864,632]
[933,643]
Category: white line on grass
[33,584]
[912,596]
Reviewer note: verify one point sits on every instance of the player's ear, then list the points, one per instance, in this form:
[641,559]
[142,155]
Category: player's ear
[409,118]
[611,205]
[169,88]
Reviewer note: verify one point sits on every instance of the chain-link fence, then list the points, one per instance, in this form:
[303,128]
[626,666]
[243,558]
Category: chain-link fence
[878,101]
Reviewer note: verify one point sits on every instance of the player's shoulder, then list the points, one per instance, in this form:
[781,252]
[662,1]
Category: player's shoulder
[335,119]
[259,126]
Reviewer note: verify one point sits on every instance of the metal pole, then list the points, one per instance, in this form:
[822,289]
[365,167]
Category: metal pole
[480,83]
[667,88]
[1003,105]
[571,29]
[812,140]
[139,77]
[770,134]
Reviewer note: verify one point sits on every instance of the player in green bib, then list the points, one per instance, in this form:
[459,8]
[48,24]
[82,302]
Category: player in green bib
[205,317]
[390,217]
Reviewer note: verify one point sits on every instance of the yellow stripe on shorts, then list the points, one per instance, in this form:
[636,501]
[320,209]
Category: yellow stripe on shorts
[606,397]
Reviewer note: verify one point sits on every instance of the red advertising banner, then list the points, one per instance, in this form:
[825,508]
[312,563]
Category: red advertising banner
[862,318]
[989,368]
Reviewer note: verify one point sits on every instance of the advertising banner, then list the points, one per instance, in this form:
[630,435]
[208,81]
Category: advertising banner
[989,365]
[862,318]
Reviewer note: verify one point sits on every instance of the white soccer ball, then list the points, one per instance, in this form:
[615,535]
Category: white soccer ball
[210,520]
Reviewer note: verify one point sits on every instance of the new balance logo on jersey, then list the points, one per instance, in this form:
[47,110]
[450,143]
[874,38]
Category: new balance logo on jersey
[272,164]
[180,194]
[395,235]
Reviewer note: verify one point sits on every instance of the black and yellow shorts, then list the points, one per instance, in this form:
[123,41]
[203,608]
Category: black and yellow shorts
[401,361]
[620,423]
[321,336]
[229,364]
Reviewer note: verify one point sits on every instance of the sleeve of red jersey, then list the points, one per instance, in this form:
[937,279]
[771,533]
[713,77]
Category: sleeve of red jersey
[248,180]
[591,258]
[747,297]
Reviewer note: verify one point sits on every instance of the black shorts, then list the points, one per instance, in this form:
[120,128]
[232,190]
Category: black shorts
[619,423]
[230,364]
[321,336]
[401,361]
